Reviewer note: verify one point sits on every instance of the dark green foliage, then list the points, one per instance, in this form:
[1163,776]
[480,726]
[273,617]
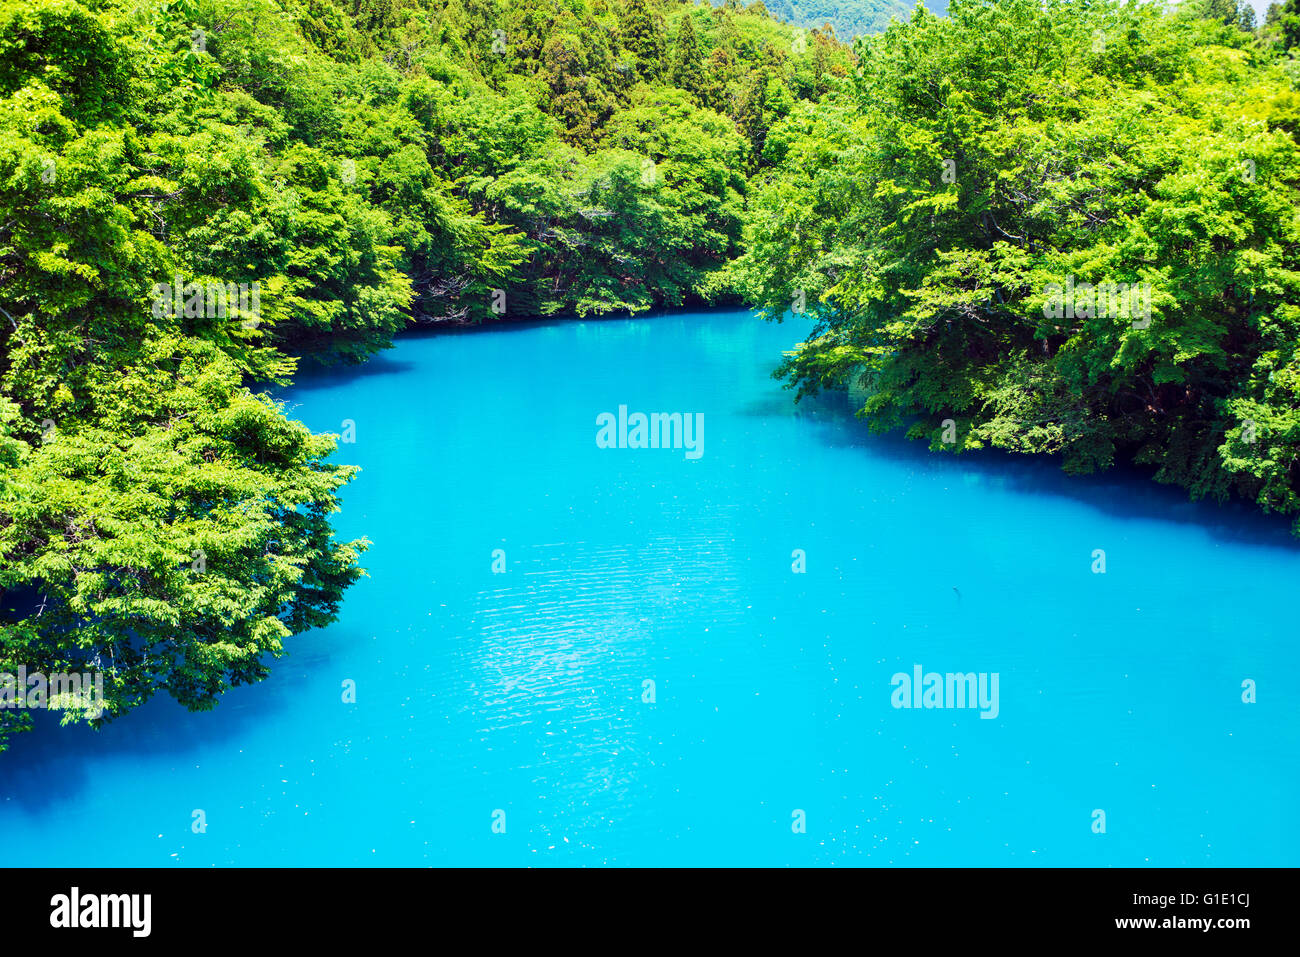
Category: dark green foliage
[1289,19]
[926,214]
[361,168]
[371,165]
[687,63]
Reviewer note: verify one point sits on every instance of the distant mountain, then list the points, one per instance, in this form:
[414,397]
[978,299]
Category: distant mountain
[849,17]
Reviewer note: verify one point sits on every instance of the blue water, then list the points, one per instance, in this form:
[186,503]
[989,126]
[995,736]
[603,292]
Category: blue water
[522,692]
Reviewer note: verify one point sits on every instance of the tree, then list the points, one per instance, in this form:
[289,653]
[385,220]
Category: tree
[697,160]
[688,65]
[643,32]
[1290,22]
[1224,11]
[719,78]
[195,194]
[933,234]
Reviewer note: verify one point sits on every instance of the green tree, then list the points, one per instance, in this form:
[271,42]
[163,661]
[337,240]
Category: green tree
[932,231]
[1290,22]
[643,35]
[194,194]
[688,64]
[1224,11]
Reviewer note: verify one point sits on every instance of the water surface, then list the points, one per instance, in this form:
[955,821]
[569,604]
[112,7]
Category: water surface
[522,692]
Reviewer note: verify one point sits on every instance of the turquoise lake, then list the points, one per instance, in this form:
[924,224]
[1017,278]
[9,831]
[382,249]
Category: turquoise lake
[524,691]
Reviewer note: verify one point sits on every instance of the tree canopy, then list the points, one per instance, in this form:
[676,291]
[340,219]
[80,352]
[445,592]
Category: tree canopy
[933,213]
[194,194]
[1048,226]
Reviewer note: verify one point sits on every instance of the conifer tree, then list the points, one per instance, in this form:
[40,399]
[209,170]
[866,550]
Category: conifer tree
[688,65]
[643,35]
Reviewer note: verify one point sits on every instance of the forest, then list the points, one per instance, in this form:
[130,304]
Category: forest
[851,18]
[196,195]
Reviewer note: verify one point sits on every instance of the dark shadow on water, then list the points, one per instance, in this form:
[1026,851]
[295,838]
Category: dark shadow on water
[314,375]
[1124,491]
[159,728]
[514,325]
[507,324]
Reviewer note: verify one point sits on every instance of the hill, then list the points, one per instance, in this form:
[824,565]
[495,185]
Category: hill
[850,18]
